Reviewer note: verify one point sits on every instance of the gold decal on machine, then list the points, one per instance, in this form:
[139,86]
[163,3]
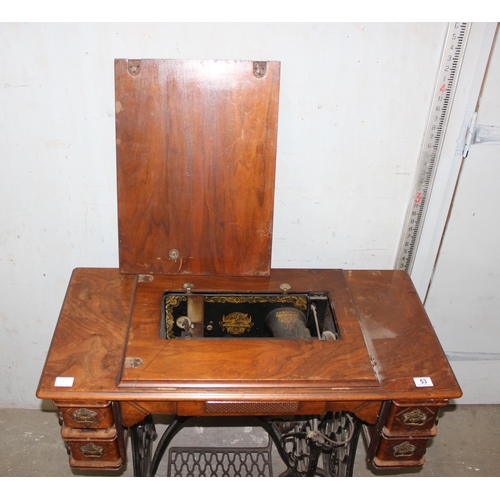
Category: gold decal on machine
[288,317]
[299,302]
[171,302]
[236,323]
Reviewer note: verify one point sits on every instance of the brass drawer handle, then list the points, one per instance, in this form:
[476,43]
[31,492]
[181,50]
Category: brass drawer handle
[91,450]
[85,416]
[415,417]
[404,450]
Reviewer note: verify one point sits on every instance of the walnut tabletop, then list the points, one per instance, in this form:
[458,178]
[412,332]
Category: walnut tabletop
[108,317]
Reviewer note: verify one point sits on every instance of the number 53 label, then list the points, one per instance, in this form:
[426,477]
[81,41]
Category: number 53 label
[423,381]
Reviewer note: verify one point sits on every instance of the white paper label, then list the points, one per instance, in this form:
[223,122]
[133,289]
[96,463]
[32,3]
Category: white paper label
[64,381]
[423,381]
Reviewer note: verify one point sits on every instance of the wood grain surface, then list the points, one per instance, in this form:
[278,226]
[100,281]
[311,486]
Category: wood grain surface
[196,154]
[387,341]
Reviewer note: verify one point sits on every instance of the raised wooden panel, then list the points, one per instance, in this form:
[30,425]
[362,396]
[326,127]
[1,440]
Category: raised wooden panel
[246,364]
[196,154]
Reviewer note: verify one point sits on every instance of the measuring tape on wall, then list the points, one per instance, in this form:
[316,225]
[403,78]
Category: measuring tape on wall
[449,69]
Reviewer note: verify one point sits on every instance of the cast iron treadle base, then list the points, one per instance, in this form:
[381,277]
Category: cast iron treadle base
[220,462]
[319,445]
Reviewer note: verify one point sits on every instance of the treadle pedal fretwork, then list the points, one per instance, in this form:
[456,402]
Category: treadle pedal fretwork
[320,446]
[220,462]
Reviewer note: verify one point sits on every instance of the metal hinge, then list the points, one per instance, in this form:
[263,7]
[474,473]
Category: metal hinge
[479,134]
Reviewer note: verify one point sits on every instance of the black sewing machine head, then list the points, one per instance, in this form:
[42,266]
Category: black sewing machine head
[248,315]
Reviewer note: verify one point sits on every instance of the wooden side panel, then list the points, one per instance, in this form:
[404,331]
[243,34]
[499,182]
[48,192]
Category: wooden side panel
[196,154]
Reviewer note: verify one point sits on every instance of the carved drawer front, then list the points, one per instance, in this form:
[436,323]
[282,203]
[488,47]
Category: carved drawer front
[402,452]
[87,417]
[93,449]
[414,418]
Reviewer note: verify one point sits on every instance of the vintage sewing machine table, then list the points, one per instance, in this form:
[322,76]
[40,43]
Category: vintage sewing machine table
[129,346]
[196,323]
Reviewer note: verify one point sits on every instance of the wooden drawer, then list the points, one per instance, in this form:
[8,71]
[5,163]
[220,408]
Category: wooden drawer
[101,449]
[412,418]
[87,417]
[400,452]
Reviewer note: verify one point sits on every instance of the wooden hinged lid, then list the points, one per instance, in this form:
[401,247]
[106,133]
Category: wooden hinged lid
[196,154]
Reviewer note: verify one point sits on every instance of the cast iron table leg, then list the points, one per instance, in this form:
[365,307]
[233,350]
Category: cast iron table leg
[142,436]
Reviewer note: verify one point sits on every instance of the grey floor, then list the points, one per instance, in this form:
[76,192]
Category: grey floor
[467,445]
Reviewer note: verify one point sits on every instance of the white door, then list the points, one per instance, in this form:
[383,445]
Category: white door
[463,299]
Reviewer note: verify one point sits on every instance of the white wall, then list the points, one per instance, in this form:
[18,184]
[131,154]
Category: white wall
[354,104]
[463,300]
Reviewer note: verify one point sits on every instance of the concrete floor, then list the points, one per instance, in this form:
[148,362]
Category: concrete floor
[467,445]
